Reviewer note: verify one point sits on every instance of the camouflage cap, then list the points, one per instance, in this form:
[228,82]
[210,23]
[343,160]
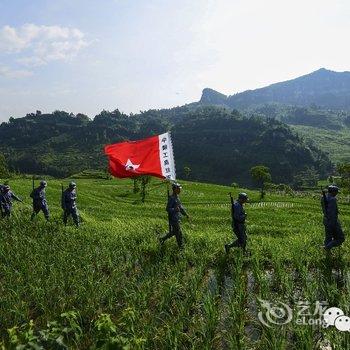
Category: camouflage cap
[176,185]
[243,195]
[333,188]
[43,183]
[72,185]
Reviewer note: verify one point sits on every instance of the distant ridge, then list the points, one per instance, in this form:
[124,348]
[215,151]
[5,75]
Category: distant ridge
[219,145]
[323,87]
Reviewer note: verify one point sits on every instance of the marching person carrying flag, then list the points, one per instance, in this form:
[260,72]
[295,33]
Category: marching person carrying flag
[152,156]
[175,210]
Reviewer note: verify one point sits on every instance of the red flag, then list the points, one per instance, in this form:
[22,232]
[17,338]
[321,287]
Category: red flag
[152,156]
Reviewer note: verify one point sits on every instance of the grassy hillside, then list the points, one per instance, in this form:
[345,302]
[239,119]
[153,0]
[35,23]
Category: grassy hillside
[157,297]
[327,129]
[335,143]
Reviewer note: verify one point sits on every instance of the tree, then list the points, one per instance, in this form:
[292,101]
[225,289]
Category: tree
[344,172]
[108,174]
[83,117]
[306,178]
[261,175]
[136,188]
[187,171]
[4,172]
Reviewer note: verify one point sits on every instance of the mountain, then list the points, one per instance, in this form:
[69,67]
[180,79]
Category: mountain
[218,145]
[212,97]
[324,88]
[316,105]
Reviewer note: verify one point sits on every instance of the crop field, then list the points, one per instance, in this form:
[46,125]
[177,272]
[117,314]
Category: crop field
[110,285]
[334,142]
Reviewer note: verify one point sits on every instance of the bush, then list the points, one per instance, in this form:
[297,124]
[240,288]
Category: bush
[278,188]
[4,172]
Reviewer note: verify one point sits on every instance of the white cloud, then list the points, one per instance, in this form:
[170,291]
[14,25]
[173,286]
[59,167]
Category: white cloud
[7,72]
[31,61]
[37,45]
[10,41]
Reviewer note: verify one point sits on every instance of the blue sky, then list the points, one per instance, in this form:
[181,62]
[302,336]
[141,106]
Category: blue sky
[85,56]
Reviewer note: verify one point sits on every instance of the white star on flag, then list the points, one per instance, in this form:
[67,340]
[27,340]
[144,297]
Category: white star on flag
[130,166]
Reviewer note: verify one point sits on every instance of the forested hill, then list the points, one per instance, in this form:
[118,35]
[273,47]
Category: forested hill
[218,145]
[313,116]
[324,88]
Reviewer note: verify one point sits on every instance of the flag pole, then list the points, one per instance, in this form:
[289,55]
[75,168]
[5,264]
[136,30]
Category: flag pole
[62,200]
[168,193]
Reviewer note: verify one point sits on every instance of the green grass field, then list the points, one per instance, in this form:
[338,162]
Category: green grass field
[109,284]
[335,143]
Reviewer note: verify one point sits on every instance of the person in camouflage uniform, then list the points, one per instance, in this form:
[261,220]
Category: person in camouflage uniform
[238,223]
[39,200]
[69,205]
[175,211]
[6,199]
[1,189]
[334,235]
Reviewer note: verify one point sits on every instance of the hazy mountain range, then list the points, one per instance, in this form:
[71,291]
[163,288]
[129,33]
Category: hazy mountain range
[324,88]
